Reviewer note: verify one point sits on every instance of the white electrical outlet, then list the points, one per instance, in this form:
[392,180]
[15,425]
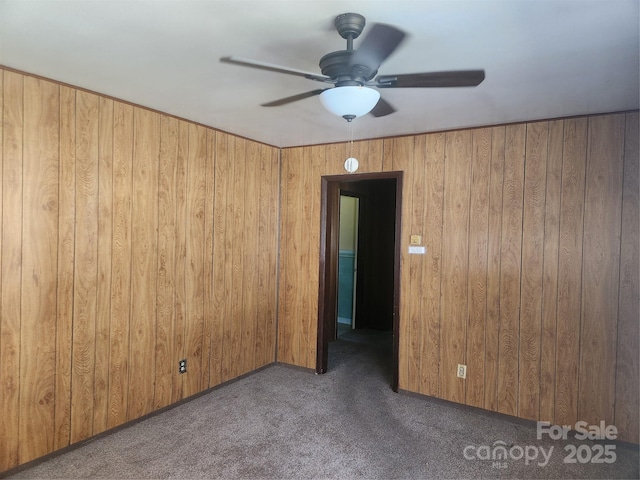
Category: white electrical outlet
[462,371]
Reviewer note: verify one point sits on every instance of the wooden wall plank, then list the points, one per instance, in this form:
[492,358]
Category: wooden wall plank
[455,251]
[315,193]
[401,161]
[39,263]
[237,244]
[166,362]
[283,342]
[210,318]
[229,238]
[194,260]
[263,173]
[250,309]
[510,268]
[3,442]
[432,266]
[415,153]
[301,237]
[10,345]
[180,308]
[494,247]
[120,264]
[570,270]
[86,266]
[601,269]
[550,272]
[274,182]
[477,277]
[288,269]
[531,282]
[65,268]
[627,393]
[146,150]
[220,278]
[105,238]
[414,158]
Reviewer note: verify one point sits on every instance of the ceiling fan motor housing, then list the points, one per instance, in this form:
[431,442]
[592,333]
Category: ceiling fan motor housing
[337,65]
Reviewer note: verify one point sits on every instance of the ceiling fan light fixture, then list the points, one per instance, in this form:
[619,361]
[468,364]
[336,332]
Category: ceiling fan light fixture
[349,102]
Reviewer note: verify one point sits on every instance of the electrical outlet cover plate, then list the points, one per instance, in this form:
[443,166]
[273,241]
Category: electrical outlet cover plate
[462,371]
[182,366]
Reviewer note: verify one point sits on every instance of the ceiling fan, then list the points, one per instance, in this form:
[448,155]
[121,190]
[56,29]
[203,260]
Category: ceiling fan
[352,72]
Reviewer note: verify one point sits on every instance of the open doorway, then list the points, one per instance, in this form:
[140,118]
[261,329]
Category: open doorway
[376,259]
[349,214]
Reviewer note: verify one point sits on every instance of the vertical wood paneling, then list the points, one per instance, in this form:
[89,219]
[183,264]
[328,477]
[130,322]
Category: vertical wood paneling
[263,174]
[166,272]
[570,270]
[477,283]
[531,282]
[415,180]
[219,364]
[109,218]
[237,246]
[287,307]
[250,253]
[494,247]
[303,227]
[3,441]
[601,268]
[401,161]
[66,249]
[39,267]
[144,218]
[550,272]
[432,265]
[10,345]
[120,264]
[211,320]
[317,164]
[180,256]
[86,266]
[181,241]
[228,245]
[105,226]
[455,251]
[194,260]
[510,268]
[507,238]
[627,393]
[273,183]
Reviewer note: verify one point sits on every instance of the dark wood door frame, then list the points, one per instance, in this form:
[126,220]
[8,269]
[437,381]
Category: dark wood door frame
[329,236]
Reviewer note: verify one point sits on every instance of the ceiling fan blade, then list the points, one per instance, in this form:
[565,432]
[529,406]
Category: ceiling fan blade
[246,62]
[382,108]
[380,42]
[460,78]
[294,98]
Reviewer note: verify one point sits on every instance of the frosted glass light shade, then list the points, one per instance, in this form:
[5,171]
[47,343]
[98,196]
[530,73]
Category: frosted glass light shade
[349,101]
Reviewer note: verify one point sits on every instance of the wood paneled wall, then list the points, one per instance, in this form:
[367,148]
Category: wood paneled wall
[531,271]
[130,240]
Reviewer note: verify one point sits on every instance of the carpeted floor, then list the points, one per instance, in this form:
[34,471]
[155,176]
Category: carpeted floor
[286,423]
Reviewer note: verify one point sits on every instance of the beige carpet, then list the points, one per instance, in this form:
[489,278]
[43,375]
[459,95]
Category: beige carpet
[286,423]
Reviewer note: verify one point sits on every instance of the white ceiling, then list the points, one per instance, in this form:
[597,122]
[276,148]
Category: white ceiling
[543,59]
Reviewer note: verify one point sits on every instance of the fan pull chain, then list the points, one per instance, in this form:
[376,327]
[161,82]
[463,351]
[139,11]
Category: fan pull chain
[351,139]
[351,163]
